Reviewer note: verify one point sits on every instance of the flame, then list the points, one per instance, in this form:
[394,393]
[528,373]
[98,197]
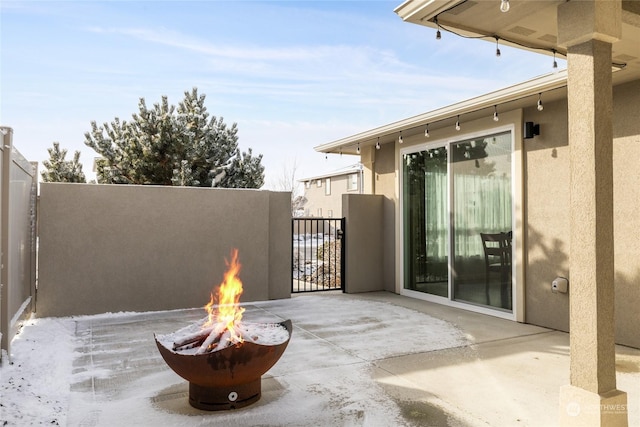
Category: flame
[228,314]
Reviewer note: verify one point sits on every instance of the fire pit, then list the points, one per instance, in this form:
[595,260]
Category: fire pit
[222,358]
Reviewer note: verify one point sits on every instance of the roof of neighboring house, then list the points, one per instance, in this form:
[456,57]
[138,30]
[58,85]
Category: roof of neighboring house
[552,87]
[347,170]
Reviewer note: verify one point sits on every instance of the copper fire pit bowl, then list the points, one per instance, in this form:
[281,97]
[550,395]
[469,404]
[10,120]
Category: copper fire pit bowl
[226,379]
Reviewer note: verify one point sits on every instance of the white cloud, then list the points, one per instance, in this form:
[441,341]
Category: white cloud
[313,77]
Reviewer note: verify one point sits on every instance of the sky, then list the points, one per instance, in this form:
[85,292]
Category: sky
[291,74]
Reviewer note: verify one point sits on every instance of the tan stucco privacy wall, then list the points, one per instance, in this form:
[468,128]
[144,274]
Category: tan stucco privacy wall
[364,245]
[112,248]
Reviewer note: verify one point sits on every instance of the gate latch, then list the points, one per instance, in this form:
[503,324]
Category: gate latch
[339,234]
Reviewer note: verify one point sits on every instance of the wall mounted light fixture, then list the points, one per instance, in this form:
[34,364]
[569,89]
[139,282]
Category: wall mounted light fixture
[531,129]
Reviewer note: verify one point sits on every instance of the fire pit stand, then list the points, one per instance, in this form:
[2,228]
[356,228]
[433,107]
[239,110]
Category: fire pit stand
[230,378]
[224,398]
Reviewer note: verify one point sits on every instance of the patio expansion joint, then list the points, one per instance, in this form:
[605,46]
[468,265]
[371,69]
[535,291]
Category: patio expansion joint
[458,347]
[520,336]
[89,328]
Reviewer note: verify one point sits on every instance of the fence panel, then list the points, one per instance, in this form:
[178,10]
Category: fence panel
[18,190]
[317,254]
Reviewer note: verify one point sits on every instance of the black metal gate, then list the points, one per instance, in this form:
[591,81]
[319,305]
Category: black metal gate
[317,254]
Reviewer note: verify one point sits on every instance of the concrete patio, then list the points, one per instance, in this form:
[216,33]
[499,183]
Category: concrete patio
[375,359]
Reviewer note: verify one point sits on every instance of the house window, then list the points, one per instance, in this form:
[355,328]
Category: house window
[307,184]
[352,182]
[330,213]
[320,212]
[327,187]
[451,193]
[319,183]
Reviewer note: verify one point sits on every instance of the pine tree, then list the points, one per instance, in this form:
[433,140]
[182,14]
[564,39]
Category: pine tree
[166,145]
[60,170]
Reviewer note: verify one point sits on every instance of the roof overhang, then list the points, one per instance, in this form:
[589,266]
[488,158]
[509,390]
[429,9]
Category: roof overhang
[529,24]
[551,86]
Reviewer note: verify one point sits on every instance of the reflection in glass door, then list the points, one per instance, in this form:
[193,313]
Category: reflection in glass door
[426,221]
[481,221]
[457,221]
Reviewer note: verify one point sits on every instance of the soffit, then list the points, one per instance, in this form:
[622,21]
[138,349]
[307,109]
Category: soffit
[529,24]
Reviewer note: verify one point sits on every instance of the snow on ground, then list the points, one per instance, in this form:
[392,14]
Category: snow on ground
[34,380]
[106,370]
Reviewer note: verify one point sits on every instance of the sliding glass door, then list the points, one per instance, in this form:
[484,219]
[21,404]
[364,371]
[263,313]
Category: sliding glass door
[426,230]
[457,220]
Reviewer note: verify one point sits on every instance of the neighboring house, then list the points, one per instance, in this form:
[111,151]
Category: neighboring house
[552,163]
[324,192]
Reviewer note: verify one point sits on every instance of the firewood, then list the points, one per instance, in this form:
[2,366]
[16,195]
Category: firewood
[192,340]
[225,340]
[212,340]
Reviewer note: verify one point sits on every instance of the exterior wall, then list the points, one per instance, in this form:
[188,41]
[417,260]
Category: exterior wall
[626,201]
[109,248]
[364,246]
[547,216]
[331,205]
[367,159]
[545,222]
[386,183]
[548,220]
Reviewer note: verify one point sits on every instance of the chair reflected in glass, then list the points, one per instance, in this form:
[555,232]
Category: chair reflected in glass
[497,257]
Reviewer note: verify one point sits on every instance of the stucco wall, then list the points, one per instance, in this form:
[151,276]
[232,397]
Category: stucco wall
[547,215]
[364,220]
[547,196]
[385,184]
[626,203]
[109,248]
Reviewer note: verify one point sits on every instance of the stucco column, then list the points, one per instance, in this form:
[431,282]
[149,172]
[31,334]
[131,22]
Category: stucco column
[587,29]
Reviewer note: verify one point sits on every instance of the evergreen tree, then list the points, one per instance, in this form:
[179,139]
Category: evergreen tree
[60,170]
[166,145]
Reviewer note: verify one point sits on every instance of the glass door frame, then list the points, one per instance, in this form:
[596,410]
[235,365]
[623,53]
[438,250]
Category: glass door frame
[516,219]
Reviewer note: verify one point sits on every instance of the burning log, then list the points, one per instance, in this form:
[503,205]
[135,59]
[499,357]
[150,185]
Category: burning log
[212,341]
[210,338]
[192,340]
